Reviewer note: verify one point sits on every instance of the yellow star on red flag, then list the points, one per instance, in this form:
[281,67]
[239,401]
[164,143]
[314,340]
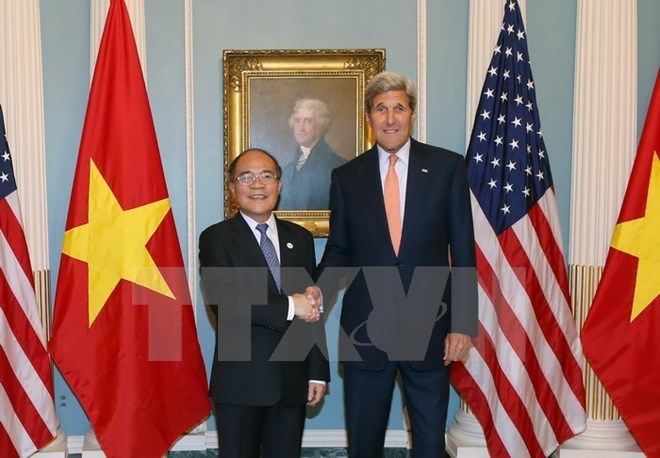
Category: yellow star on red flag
[113,243]
[639,238]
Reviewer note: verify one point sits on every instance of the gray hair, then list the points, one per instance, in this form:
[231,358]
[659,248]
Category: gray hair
[318,107]
[390,81]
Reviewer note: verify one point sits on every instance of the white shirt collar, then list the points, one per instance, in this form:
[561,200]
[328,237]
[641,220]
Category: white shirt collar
[271,232]
[403,154]
[272,226]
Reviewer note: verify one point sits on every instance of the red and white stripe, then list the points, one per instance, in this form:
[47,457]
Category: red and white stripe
[523,380]
[27,411]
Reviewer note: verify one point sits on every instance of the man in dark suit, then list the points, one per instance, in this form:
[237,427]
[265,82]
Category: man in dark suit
[307,177]
[398,211]
[260,391]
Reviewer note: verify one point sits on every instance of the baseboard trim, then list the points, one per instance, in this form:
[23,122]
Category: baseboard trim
[312,438]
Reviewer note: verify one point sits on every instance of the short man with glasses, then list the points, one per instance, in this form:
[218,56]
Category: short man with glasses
[260,391]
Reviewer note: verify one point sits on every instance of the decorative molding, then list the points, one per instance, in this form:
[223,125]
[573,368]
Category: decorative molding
[56,449]
[42,290]
[190,150]
[604,132]
[312,438]
[604,123]
[609,439]
[22,99]
[466,437]
[583,281]
[190,168]
[421,70]
[605,428]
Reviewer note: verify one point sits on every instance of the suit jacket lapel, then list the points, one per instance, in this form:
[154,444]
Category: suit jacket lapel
[287,245]
[416,188]
[246,242]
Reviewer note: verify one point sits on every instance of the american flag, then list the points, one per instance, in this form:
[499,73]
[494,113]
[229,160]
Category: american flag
[523,380]
[27,412]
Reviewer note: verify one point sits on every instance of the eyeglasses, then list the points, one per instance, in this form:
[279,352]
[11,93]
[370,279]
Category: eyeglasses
[248,178]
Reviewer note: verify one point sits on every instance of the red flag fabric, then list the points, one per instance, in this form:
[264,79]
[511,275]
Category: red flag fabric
[523,379]
[622,330]
[124,334]
[27,411]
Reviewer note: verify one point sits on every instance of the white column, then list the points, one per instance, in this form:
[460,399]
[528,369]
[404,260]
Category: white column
[22,100]
[604,144]
[421,70]
[190,149]
[465,438]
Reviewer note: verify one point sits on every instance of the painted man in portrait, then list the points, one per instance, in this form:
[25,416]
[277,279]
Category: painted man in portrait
[306,179]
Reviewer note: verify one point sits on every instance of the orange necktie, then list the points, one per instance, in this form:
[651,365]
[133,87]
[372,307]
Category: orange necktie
[393,204]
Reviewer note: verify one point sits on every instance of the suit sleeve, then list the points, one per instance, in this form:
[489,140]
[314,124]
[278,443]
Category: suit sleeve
[464,310]
[318,367]
[234,294]
[337,251]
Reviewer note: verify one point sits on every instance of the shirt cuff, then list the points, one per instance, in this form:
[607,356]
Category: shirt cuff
[320,294]
[292,310]
[320,382]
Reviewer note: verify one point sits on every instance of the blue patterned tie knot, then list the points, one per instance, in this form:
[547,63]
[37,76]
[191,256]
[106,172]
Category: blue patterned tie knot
[268,249]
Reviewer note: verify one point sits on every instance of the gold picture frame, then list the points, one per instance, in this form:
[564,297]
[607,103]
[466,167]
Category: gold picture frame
[260,88]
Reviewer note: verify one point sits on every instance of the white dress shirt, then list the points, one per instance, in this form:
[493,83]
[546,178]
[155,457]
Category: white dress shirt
[271,233]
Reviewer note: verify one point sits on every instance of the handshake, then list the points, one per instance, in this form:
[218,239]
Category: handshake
[308,306]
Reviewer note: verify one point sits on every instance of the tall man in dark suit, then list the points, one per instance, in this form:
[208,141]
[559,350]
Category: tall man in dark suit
[406,205]
[307,177]
[260,394]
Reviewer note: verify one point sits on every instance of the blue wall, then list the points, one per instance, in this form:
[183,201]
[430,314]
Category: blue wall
[310,24]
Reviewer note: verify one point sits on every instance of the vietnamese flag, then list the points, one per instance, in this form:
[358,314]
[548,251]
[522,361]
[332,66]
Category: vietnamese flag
[621,335]
[124,334]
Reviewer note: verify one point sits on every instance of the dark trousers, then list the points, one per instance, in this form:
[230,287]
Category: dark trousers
[368,398]
[253,432]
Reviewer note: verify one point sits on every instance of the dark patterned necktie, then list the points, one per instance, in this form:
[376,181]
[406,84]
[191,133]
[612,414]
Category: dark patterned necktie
[268,249]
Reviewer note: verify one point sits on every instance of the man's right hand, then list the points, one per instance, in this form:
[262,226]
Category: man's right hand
[306,306]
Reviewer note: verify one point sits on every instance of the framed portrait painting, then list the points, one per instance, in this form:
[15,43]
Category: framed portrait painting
[305,107]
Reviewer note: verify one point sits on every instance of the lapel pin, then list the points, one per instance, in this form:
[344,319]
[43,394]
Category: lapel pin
[289,245]
[425,170]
